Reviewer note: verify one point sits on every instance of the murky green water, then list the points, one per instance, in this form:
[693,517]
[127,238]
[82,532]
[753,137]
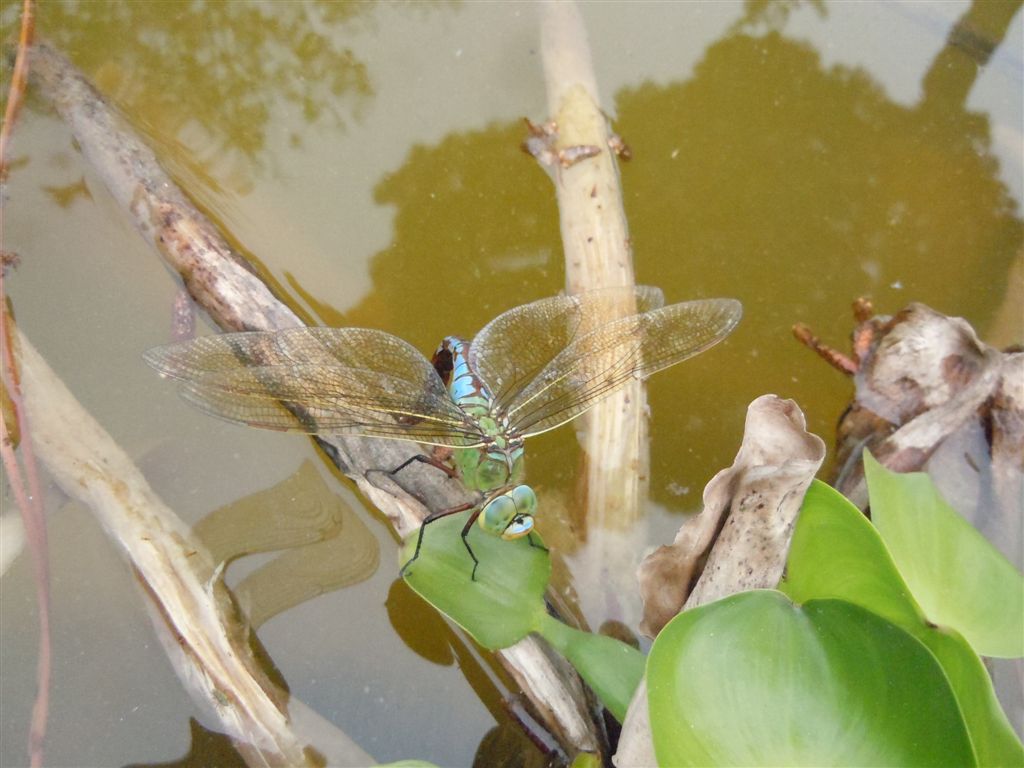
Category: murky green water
[367,156]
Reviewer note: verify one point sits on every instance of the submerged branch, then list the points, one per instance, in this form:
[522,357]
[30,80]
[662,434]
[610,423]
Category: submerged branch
[218,278]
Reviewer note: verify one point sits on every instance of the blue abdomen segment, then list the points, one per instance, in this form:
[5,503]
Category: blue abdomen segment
[466,388]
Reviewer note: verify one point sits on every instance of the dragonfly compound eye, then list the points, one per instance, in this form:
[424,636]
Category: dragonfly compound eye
[526,505]
[510,515]
[519,527]
[525,499]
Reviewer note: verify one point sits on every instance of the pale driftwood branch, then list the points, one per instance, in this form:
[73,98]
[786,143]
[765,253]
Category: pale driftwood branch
[595,238]
[190,606]
[750,510]
[236,299]
[568,711]
[218,278]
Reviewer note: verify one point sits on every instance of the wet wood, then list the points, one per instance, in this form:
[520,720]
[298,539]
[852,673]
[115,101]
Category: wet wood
[613,486]
[191,608]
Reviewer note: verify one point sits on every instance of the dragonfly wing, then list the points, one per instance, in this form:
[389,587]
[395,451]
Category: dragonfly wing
[343,380]
[598,363]
[511,350]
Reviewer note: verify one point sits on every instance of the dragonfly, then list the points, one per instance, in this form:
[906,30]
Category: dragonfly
[529,370]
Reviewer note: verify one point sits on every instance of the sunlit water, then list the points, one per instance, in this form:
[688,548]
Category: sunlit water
[367,156]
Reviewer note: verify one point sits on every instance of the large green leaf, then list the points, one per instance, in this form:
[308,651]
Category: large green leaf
[756,680]
[500,607]
[506,602]
[957,577]
[837,553]
[994,739]
[610,667]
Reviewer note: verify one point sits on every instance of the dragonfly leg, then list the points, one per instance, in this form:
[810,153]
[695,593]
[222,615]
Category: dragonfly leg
[429,461]
[465,539]
[534,544]
[423,527]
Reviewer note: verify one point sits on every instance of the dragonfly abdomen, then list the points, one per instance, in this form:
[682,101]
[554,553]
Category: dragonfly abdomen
[467,389]
[499,463]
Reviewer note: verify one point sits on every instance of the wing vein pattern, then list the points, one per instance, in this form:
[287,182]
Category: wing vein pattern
[597,363]
[346,381]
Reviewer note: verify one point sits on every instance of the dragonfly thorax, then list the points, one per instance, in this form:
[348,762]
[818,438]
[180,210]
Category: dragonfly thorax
[489,468]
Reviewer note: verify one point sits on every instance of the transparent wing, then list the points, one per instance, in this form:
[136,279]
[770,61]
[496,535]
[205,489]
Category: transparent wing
[598,363]
[343,380]
[511,350]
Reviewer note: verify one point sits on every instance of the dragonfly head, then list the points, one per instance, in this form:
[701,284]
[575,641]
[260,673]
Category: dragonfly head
[509,514]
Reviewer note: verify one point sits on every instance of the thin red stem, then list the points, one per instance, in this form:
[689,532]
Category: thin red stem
[30,501]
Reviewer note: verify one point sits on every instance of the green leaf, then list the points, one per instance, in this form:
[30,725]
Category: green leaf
[501,606]
[756,680]
[618,667]
[957,577]
[837,553]
[586,760]
[995,741]
[506,602]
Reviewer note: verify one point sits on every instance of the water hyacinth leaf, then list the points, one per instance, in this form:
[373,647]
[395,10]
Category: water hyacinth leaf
[506,602]
[756,680]
[994,739]
[956,576]
[610,667]
[837,553]
[586,760]
[500,607]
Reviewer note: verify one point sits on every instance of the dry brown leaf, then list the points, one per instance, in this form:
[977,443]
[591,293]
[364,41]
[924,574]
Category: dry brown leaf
[748,516]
